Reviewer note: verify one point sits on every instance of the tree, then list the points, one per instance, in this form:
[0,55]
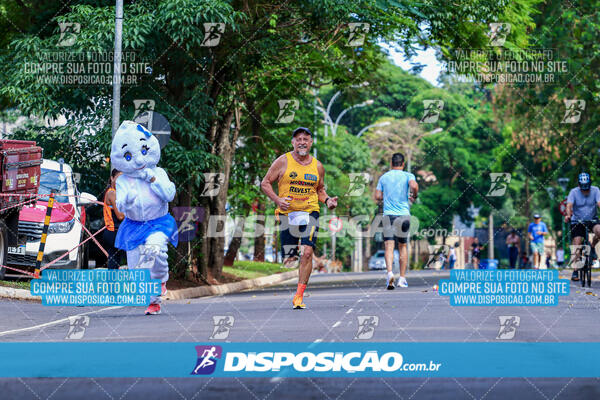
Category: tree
[210,94]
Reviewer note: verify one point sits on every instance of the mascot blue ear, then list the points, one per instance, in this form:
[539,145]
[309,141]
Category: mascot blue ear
[144,130]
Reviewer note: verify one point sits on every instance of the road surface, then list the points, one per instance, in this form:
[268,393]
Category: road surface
[414,314]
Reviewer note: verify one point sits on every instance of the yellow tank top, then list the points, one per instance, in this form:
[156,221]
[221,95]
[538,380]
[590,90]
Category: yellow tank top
[300,182]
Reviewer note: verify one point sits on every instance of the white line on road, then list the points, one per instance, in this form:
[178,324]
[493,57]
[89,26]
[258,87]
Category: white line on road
[349,311]
[58,321]
[336,324]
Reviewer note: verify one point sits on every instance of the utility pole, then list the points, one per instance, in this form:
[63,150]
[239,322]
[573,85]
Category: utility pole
[315,127]
[563,182]
[117,66]
[491,237]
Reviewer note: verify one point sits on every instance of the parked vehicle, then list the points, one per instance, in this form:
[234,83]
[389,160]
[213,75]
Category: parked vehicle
[270,254]
[95,221]
[377,261]
[65,231]
[20,162]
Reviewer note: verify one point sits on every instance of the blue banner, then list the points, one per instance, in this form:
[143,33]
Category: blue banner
[299,359]
[504,287]
[99,287]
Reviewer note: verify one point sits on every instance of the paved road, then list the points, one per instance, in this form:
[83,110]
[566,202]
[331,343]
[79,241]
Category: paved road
[334,303]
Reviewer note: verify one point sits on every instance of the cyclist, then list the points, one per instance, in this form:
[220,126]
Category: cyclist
[582,204]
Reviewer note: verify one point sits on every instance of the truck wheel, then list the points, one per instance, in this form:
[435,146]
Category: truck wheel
[3,248]
[83,256]
[79,263]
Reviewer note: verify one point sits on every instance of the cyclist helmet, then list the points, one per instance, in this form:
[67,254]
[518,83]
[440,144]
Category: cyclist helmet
[584,181]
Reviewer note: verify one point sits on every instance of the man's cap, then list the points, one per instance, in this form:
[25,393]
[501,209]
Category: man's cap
[536,216]
[301,129]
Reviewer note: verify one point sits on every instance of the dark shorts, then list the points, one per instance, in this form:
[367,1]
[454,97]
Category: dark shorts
[578,229]
[290,235]
[396,227]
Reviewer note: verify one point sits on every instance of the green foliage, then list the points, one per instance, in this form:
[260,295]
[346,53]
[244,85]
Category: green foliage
[268,51]
[254,269]
[342,155]
[76,143]
[543,148]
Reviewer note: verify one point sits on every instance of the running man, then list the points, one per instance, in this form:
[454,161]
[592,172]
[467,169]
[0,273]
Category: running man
[299,178]
[537,230]
[395,188]
[475,253]
[582,205]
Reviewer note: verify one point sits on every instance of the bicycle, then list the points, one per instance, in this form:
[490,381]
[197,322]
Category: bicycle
[585,272]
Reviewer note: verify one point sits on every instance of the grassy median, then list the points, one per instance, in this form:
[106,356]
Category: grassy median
[253,269]
[16,284]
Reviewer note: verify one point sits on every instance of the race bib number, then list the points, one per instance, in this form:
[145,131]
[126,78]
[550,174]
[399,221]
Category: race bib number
[298,218]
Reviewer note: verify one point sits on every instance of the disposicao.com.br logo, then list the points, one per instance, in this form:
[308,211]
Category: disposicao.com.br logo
[327,363]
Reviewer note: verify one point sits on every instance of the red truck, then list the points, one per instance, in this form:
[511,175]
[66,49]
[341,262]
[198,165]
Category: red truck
[20,163]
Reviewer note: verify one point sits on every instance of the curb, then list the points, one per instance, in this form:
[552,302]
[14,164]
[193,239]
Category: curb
[20,294]
[256,283]
[181,294]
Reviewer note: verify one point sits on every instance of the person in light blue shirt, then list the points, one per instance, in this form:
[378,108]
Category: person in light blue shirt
[537,230]
[396,188]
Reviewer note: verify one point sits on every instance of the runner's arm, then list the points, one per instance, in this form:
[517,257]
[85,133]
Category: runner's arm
[330,202]
[273,175]
[414,187]
[111,200]
[378,195]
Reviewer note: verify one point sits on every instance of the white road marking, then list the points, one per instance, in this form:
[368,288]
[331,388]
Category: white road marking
[336,324]
[58,321]
[318,341]
[349,311]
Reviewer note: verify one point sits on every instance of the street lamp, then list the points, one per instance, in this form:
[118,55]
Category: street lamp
[327,112]
[563,182]
[366,128]
[116,106]
[328,122]
[327,117]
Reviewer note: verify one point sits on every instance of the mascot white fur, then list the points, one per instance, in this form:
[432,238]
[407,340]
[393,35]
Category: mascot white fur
[143,195]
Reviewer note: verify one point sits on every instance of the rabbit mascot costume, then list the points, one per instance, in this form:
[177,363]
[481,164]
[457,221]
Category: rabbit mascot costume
[143,194]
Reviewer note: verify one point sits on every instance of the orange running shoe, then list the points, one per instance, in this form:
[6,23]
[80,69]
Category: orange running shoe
[153,309]
[298,304]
